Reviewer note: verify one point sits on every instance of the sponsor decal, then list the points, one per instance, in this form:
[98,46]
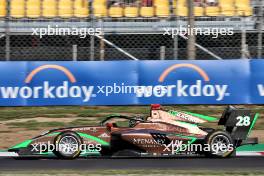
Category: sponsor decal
[200,88]
[46,90]
[149,142]
[92,129]
[104,135]
[186,117]
[260,90]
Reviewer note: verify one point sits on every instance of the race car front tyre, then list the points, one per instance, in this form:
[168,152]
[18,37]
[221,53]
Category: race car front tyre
[219,144]
[67,145]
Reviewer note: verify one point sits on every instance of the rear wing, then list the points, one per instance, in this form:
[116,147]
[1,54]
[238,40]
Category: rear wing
[238,122]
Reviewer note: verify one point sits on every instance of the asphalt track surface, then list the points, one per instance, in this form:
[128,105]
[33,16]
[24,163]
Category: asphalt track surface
[236,163]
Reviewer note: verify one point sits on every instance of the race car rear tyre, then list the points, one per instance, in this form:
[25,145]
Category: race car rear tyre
[220,144]
[67,145]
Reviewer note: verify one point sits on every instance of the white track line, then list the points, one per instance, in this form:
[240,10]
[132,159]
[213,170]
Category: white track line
[8,154]
[248,154]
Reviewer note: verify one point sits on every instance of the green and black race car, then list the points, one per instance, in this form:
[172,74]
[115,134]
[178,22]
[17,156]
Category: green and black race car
[164,133]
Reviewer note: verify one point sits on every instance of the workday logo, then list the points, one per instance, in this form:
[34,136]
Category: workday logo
[67,89]
[202,87]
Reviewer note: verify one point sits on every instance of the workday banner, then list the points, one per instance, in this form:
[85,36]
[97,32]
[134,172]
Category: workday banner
[257,81]
[66,83]
[131,83]
[196,82]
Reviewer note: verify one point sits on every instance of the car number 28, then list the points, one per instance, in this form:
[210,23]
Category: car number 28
[243,121]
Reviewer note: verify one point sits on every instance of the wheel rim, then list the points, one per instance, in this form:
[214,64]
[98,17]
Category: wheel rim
[220,142]
[68,145]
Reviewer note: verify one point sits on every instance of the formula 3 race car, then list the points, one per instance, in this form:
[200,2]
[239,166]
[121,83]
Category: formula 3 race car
[164,133]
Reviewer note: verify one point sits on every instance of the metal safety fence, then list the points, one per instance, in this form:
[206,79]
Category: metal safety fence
[141,46]
[125,37]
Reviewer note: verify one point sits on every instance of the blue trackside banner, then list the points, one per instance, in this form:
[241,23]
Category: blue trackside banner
[257,82]
[131,82]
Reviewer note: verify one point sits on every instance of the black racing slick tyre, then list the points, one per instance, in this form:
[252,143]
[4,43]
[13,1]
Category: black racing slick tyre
[219,144]
[68,145]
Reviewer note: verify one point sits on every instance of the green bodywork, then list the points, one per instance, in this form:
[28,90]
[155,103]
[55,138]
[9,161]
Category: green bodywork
[96,139]
[253,123]
[255,148]
[204,117]
[26,143]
